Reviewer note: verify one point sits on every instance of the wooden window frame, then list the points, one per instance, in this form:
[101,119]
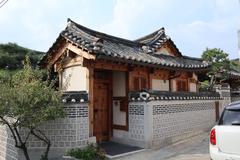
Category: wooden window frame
[139,83]
[182,88]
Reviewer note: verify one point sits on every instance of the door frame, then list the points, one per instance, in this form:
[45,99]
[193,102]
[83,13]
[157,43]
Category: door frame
[108,81]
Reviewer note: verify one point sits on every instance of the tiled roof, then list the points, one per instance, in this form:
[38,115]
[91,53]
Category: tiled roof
[141,51]
[75,96]
[150,95]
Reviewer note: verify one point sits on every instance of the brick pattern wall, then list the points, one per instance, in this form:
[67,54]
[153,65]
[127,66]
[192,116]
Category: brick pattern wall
[68,132]
[74,110]
[235,98]
[136,121]
[176,120]
[7,145]
[64,133]
[158,123]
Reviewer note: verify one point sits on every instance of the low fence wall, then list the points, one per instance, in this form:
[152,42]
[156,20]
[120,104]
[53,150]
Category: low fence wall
[173,121]
[159,121]
[64,133]
[7,145]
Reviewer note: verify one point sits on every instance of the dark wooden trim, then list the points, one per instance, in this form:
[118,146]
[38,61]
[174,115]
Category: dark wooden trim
[127,91]
[107,81]
[149,85]
[170,84]
[91,100]
[110,104]
[120,127]
[217,110]
[123,103]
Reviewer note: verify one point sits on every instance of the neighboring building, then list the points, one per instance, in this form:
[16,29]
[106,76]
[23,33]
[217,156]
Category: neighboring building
[109,68]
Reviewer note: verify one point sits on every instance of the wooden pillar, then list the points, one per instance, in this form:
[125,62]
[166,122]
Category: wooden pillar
[170,84]
[217,110]
[91,100]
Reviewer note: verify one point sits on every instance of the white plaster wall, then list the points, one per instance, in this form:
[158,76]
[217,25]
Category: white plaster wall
[195,76]
[119,84]
[193,87]
[119,90]
[174,85]
[163,51]
[75,78]
[119,117]
[159,84]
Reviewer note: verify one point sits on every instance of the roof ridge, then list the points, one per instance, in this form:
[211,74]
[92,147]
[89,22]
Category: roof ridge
[193,58]
[100,35]
[152,35]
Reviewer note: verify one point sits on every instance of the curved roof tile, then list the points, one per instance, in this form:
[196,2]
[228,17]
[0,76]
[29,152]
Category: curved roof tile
[140,51]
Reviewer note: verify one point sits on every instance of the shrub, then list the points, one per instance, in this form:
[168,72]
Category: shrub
[88,153]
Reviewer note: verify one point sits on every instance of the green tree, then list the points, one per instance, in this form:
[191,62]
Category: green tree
[12,55]
[220,65]
[26,102]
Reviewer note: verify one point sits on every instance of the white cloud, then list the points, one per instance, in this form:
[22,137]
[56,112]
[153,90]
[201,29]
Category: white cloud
[193,25]
[130,15]
[35,24]
[196,36]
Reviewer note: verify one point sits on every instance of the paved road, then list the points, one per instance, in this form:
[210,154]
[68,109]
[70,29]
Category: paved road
[195,148]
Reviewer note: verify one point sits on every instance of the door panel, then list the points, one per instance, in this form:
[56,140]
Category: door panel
[101,111]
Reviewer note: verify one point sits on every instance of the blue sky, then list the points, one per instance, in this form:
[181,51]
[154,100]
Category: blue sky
[192,24]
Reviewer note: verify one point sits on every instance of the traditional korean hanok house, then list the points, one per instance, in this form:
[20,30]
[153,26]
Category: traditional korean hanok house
[129,84]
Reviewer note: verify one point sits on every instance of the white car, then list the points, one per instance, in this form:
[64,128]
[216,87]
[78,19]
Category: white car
[225,136]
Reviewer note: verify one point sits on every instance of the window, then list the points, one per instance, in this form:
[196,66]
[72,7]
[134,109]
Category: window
[230,117]
[181,85]
[139,83]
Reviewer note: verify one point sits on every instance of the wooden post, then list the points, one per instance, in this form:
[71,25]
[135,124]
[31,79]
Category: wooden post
[91,100]
[217,110]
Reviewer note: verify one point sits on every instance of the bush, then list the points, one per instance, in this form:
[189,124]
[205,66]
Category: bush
[88,153]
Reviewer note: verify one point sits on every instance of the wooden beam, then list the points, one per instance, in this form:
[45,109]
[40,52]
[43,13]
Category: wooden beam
[80,52]
[110,66]
[68,46]
[73,62]
[57,54]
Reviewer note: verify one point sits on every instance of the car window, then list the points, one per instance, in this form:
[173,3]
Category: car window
[230,117]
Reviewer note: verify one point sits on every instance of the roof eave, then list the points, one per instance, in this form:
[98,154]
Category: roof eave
[151,65]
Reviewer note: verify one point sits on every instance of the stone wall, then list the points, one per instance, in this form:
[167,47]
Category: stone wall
[176,120]
[235,98]
[64,133]
[7,145]
[157,123]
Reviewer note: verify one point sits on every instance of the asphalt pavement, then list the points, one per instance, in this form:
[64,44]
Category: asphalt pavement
[194,148]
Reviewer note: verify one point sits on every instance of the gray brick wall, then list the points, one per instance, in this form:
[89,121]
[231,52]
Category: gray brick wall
[158,123]
[136,122]
[178,120]
[64,133]
[7,145]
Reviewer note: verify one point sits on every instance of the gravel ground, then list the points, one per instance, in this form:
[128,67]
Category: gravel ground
[194,148]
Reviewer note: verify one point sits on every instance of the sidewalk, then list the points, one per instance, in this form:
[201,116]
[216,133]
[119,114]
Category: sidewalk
[195,148]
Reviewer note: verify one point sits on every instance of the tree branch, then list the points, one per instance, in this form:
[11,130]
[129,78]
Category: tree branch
[18,136]
[29,133]
[12,131]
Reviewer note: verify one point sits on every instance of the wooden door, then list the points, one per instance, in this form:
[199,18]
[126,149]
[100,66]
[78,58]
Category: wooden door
[101,111]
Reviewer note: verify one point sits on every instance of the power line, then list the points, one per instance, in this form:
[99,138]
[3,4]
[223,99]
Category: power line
[3,2]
